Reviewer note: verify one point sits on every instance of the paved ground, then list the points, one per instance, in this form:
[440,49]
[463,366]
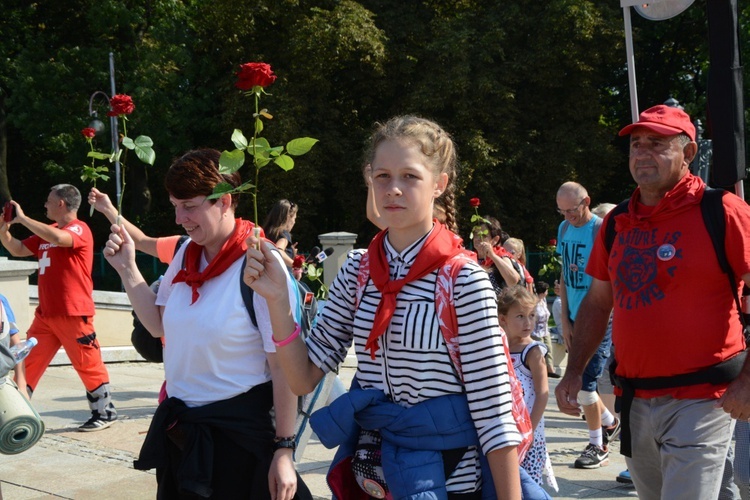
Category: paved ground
[78,465]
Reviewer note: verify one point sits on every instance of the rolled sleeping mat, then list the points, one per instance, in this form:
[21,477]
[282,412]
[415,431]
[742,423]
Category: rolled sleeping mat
[20,424]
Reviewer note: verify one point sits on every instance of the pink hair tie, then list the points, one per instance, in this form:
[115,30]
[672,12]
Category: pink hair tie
[290,338]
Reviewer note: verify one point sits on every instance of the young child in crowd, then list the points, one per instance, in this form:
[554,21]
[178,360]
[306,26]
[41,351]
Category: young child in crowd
[516,311]
[541,329]
[278,227]
[517,249]
[404,366]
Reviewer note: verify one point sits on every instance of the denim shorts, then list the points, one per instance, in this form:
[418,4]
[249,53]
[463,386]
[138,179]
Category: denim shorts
[595,368]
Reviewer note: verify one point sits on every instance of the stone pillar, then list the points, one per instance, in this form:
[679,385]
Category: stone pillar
[14,284]
[341,242]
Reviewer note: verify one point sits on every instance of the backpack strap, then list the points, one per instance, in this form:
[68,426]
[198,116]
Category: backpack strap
[182,239]
[445,308]
[712,209]
[363,276]
[597,225]
[564,229]
[247,296]
[609,229]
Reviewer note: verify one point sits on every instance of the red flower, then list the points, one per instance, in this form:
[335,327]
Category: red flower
[121,104]
[474,202]
[88,133]
[252,74]
[553,242]
[299,260]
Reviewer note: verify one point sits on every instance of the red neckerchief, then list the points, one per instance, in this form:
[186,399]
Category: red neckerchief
[232,250]
[500,251]
[440,246]
[683,196]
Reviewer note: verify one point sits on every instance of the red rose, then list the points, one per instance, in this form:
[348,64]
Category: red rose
[120,104]
[474,202]
[299,260]
[252,74]
[88,133]
[553,242]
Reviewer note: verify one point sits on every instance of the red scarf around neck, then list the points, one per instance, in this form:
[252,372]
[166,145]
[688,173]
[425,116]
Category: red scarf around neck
[440,246]
[499,250]
[232,250]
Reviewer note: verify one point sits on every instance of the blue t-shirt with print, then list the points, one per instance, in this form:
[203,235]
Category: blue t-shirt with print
[575,247]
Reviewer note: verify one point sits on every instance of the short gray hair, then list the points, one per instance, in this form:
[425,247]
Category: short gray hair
[69,194]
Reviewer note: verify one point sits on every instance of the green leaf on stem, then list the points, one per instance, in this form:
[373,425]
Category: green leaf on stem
[298,147]
[239,139]
[99,156]
[145,154]
[231,161]
[261,144]
[220,189]
[285,162]
[128,143]
[247,186]
[258,125]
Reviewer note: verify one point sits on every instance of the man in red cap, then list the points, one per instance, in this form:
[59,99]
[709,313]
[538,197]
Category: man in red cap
[675,324]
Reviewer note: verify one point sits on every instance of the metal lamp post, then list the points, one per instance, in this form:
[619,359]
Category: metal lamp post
[98,126]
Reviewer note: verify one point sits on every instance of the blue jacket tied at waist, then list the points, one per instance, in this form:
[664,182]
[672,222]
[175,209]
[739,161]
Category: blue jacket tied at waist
[413,439]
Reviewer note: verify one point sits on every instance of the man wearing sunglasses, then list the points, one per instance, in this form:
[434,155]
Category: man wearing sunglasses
[575,238]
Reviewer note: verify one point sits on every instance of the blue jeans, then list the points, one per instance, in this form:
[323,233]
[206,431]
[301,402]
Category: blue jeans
[595,368]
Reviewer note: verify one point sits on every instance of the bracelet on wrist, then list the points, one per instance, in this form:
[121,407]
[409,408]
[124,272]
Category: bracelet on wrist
[289,339]
[285,443]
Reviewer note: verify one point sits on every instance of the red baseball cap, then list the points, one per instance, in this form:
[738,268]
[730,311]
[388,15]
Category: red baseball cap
[664,120]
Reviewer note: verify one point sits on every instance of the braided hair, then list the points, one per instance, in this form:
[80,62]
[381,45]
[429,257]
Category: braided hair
[434,143]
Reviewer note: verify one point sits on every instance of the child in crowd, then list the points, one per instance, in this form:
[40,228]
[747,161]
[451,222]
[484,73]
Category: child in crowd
[405,371]
[517,249]
[278,227]
[541,329]
[516,311]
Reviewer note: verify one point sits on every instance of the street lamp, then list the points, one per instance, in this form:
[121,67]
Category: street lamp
[98,126]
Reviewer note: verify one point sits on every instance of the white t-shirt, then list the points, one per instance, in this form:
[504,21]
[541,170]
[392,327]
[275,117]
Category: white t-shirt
[212,351]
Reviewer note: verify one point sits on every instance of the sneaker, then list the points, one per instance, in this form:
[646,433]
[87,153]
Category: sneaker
[592,457]
[553,375]
[612,432]
[624,477]
[97,423]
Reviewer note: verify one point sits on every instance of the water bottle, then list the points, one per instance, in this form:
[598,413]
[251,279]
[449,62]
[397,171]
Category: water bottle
[22,349]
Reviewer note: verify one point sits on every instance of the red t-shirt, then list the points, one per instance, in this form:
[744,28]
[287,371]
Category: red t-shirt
[673,310]
[65,284]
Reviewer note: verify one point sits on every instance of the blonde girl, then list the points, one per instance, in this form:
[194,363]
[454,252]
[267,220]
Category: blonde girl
[516,311]
[404,367]
[517,249]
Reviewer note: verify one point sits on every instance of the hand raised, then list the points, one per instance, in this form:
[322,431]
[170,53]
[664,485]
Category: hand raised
[100,201]
[264,271]
[119,249]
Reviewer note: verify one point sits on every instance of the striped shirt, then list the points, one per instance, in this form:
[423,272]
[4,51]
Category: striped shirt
[412,363]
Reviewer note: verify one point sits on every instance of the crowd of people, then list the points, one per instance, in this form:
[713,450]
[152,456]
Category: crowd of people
[442,331]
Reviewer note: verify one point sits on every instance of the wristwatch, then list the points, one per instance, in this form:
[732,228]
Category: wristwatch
[285,442]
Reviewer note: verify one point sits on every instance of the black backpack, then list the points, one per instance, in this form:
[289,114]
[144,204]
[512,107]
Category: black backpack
[150,347]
